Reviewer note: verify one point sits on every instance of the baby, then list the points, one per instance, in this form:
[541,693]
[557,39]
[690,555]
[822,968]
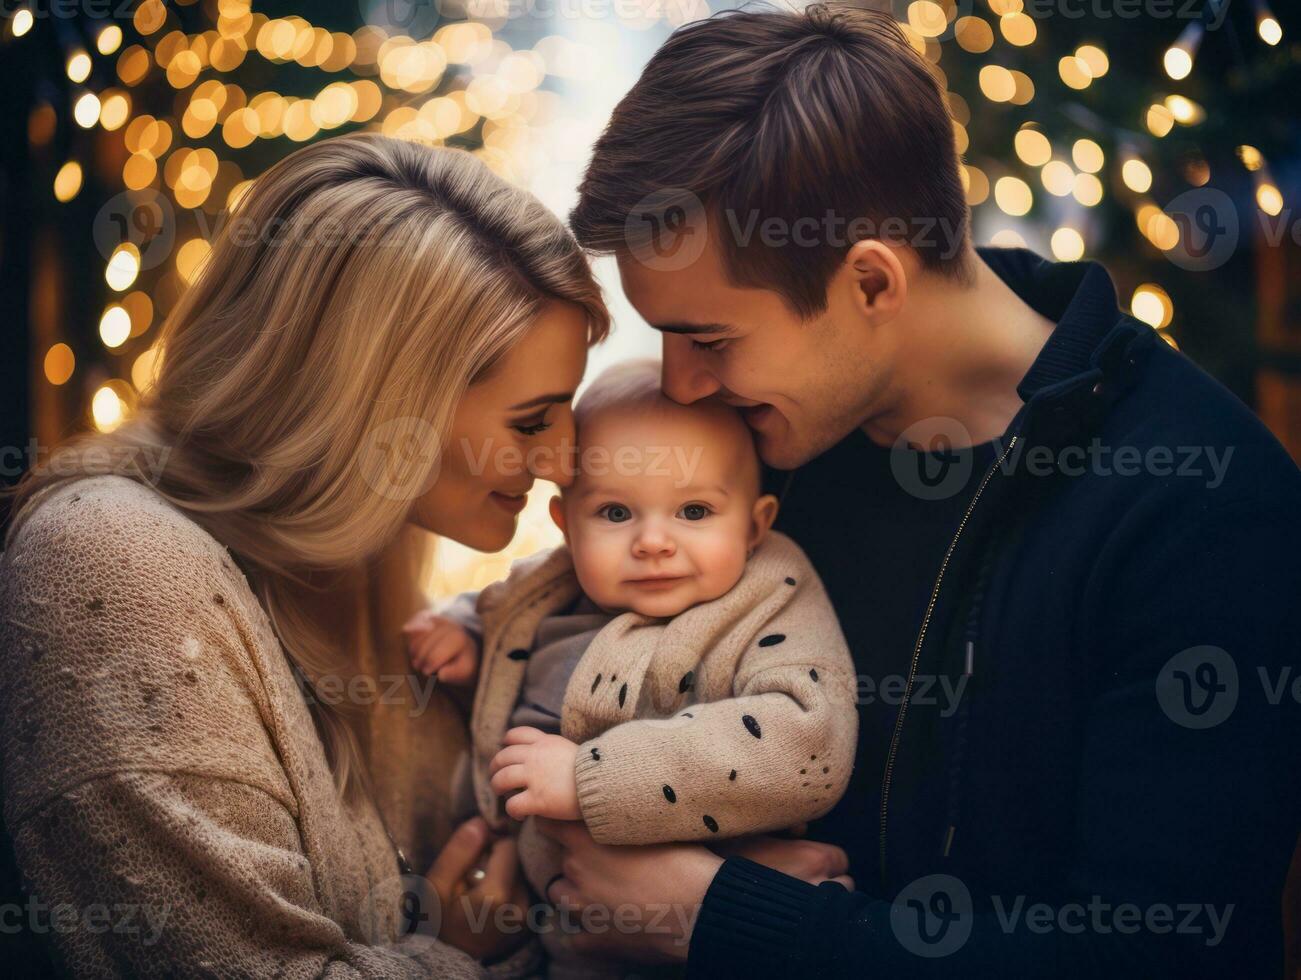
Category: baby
[675,671]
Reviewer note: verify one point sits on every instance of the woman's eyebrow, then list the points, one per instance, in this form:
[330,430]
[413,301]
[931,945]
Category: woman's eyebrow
[559,396]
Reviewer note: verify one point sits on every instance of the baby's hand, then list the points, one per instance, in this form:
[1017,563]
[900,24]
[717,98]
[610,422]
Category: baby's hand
[541,766]
[438,645]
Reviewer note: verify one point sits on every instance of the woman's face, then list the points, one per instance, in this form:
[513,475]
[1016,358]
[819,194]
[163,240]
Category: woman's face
[511,427]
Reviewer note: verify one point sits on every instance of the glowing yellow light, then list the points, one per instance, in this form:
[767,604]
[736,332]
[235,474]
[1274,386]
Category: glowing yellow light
[1161,230]
[1004,7]
[190,258]
[1159,119]
[1032,147]
[1251,157]
[926,17]
[1178,62]
[1269,29]
[1269,198]
[1013,196]
[1067,244]
[1075,72]
[1087,189]
[1136,175]
[1094,58]
[1007,238]
[997,83]
[109,40]
[976,184]
[86,110]
[123,267]
[1024,88]
[1087,155]
[60,362]
[1152,305]
[114,110]
[114,326]
[67,182]
[973,34]
[1185,111]
[22,22]
[1018,28]
[79,67]
[144,370]
[107,409]
[1058,178]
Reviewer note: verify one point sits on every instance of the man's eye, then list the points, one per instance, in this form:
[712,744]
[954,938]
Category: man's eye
[694,512]
[615,513]
[713,345]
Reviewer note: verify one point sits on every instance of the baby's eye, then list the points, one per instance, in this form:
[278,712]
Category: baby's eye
[615,513]
[694,512]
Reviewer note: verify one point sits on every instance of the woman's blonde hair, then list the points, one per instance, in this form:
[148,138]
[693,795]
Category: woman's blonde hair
[363,282]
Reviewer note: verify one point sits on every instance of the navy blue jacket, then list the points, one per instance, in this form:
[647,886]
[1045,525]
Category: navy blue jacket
[1118,793]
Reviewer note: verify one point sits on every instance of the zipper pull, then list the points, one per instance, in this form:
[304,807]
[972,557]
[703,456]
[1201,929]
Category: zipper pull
[971,657]
[948,839]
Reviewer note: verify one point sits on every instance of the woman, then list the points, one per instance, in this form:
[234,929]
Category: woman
[208,720]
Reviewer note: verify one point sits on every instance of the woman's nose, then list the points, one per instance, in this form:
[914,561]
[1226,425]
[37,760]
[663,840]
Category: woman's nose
[556,459]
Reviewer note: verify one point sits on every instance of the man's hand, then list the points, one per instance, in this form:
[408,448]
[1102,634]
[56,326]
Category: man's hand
[541,767]
[473,846]
[440,646]
[666,883]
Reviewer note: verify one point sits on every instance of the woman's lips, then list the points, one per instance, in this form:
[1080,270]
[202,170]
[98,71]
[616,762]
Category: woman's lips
[512,504]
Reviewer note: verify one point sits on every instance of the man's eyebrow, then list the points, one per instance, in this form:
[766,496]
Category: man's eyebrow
[558,396]
[691,327]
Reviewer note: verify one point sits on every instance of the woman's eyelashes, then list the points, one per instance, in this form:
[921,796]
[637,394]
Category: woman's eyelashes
[531,427]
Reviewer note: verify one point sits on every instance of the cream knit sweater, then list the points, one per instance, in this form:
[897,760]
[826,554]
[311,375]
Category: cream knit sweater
[734,717]
[161,772]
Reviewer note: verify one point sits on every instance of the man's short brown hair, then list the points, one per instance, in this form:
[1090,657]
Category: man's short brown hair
[824,126]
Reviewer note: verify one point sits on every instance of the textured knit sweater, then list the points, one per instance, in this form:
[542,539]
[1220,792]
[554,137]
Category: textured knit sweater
[160,762]
[734,717]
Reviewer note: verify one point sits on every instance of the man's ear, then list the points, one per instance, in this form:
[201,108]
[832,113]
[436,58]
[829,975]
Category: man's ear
[762,515]
[876,278]
[557,508]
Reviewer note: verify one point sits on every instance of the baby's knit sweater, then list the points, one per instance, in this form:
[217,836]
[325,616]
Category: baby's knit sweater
[735,717]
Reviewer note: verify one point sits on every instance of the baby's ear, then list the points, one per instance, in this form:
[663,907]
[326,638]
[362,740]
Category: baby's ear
[761,518]
[557,508]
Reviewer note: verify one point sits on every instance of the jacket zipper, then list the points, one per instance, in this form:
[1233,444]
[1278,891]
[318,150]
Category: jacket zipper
[917,648]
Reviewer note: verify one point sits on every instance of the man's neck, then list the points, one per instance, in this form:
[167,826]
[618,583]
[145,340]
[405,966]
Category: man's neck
[964,349]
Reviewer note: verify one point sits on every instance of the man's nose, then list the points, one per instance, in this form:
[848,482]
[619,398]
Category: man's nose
[685,378]
[653,542]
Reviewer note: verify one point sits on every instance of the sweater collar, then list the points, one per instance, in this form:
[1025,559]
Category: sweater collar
[1078,296]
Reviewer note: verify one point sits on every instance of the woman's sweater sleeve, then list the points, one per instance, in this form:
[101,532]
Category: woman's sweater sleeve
[158,826]
[154,874]
[777,753]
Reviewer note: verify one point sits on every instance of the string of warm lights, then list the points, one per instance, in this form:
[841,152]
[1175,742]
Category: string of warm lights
[466,84]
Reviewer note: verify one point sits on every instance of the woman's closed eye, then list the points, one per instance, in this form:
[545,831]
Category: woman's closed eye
[531,427]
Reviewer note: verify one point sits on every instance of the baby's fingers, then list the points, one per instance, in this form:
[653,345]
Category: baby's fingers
[509,756]
[509,778]
[522,805]
[523,736]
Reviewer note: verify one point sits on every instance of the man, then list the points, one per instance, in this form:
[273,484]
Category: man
[1066,560]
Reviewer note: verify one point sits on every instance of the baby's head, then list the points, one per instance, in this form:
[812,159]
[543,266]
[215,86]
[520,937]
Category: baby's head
[666,506]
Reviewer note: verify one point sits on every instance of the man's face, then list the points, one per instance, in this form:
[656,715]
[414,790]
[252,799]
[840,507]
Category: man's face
[802,385]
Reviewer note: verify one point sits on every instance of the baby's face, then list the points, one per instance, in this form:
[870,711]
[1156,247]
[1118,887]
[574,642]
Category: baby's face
[665,508]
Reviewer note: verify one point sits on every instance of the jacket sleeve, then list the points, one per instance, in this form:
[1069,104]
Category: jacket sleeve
[777,753]
[1183,834]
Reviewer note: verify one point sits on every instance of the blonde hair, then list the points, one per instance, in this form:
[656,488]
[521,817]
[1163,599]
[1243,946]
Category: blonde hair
[363,281]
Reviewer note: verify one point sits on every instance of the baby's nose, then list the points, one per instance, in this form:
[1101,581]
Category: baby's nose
[653,541]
